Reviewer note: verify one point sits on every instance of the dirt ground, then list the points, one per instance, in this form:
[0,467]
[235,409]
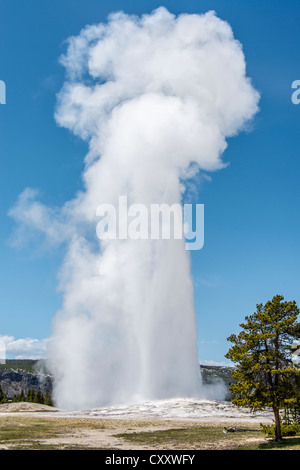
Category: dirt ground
[98,432]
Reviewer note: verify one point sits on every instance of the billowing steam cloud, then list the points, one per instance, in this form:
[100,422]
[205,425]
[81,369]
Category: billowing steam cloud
[152,96]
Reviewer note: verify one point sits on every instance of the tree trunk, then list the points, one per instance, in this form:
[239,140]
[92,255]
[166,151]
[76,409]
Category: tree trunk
[278,436]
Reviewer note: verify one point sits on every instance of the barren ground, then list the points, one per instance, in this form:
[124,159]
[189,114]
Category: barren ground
[34,426]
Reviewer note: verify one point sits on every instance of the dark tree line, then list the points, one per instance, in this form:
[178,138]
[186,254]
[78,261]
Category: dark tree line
[31,396]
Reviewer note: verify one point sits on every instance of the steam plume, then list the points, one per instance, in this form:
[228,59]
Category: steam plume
[153,97]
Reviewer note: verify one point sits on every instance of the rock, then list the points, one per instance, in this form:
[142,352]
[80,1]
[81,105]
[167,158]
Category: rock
[14,381]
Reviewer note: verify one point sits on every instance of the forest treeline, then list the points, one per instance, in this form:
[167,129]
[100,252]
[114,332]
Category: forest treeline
[30,396]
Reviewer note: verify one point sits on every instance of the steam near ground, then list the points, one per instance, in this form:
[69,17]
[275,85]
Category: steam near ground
[178,409]
[155,97]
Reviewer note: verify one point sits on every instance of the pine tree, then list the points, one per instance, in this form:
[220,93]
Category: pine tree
[48,399]
[30,395]
[3,397]
[39,397]
[265,374]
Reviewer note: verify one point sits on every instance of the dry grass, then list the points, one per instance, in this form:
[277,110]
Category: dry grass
[32,428]
[26,432]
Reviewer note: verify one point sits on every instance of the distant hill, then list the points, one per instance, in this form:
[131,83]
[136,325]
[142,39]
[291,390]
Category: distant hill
[23,374]
[215,374]
[14,381]
[212,373]
[29,365]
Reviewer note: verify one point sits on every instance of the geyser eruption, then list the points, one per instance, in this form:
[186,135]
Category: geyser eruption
[154,97]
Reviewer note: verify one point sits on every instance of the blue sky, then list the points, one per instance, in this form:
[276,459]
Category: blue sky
[252,222]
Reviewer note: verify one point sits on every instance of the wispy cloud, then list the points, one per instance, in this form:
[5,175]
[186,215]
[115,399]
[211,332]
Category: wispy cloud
[24,348]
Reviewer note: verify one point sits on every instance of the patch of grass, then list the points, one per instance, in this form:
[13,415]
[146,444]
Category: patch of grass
[287,443]
[24,433]
[208,438]
[191,437]
[24,364]
[13,432]
[38,446]
[40,433]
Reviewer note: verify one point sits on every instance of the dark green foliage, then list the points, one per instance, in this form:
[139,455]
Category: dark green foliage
[3,397]
[47,399]
[33,397]
[30,395]
[265,375]
[39,397]
[28,365]
[292,429]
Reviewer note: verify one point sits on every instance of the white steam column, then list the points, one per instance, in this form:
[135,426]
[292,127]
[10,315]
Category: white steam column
[153,97]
